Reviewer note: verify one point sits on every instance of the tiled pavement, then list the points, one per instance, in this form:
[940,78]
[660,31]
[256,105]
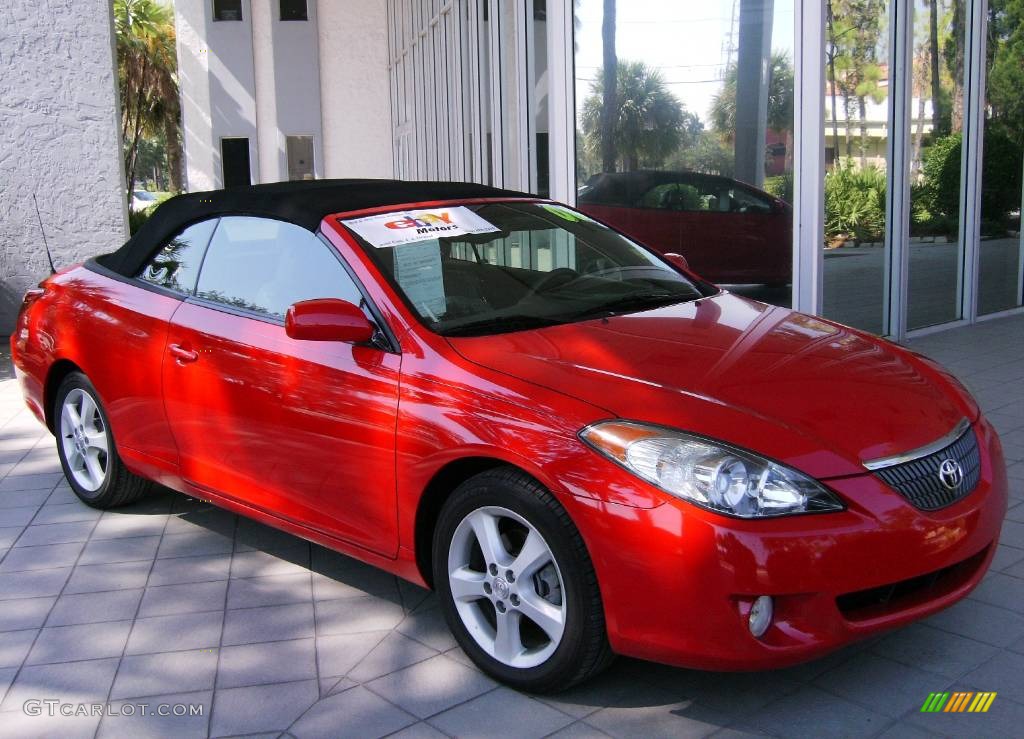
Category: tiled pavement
[171,601]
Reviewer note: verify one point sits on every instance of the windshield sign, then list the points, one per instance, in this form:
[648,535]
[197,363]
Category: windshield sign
[410,226]
[476,270]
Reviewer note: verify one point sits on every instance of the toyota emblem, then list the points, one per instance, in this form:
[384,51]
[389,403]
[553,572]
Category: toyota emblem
[951,474]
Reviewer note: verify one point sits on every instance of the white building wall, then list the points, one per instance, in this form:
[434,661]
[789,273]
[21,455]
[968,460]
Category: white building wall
[263,20]
[218,89]
[297,74]
[287,86]
[267,79]
[59,130]
[354,88]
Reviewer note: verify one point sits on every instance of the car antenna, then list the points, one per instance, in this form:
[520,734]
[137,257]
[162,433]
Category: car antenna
[53,270]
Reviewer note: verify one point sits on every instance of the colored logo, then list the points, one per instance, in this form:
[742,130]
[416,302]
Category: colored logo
[958,702]
[951,474]
[426,220]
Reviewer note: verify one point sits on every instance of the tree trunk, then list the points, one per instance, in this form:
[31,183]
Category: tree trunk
[849,122]
[933,44]
[957,32]
[609,99]
[832,77]
[173,153]
[862,106]
[133,149]
[915,155]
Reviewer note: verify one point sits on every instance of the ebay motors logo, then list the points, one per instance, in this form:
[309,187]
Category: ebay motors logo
[425,223]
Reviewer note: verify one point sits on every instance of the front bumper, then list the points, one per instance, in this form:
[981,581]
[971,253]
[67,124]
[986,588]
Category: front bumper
[678,581]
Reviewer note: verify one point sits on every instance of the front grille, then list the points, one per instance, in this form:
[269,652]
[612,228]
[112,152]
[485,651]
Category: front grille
[918,480]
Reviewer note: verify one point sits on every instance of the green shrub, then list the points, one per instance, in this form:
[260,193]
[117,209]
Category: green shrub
[1001,177]
[137,217]
[855,203]
[781,186]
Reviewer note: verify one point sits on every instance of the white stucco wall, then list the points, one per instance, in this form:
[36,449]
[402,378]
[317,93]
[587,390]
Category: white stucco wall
[58,138]
[355,88]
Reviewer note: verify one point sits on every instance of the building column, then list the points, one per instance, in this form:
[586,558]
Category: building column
[753,68]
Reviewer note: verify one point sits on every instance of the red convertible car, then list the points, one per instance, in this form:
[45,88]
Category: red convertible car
[730,232]
[583,447]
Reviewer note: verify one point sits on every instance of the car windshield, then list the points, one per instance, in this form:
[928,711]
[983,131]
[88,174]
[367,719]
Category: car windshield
[144,195]
[476,270]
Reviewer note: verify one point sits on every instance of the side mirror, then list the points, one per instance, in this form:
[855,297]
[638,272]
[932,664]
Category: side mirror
[678,260]
[328,319]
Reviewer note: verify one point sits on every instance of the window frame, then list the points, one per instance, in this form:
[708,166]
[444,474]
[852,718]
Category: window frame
[239,19]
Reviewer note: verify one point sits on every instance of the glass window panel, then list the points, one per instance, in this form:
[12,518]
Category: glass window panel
[703,98]
[300,157]
[264,266]
[227,10]
[856,145]
[294,10]
[936,121]
[1001,259]
[176,265]
[539,154]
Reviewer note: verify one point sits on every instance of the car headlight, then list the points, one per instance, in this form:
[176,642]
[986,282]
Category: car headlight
[709,473]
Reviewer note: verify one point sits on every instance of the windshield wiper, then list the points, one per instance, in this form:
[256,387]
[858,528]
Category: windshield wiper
[500,324]
[632,303]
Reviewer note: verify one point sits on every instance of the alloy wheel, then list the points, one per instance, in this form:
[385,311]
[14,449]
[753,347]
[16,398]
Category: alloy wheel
[507,587]
[84,439]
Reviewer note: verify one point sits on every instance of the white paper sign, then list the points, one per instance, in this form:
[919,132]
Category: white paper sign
[418,272]
[410,226]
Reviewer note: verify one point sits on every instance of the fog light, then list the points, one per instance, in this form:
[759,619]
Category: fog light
[760,616]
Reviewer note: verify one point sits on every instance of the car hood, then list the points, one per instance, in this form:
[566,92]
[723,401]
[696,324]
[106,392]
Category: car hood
[816,395]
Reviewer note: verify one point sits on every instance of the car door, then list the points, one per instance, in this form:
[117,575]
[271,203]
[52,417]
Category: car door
[302,429]
[126,322]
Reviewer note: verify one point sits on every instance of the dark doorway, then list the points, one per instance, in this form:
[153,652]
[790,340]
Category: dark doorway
[234,157]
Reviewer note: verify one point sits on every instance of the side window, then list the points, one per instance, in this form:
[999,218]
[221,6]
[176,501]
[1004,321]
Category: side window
[673,196]
[176,265]
[264,266]
[748,202]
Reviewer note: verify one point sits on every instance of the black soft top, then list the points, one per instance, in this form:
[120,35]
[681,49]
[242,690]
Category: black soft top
[303,203]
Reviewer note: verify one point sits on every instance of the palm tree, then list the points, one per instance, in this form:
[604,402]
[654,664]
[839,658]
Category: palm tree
[780,99]
[147,67]
[648,123]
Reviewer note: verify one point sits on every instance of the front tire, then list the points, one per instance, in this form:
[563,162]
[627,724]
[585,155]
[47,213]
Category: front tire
[516,584]
[86,448]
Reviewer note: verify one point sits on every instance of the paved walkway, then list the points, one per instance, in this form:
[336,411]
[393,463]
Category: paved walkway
[172,602]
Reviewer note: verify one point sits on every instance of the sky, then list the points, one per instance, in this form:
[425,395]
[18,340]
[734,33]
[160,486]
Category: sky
[686,39]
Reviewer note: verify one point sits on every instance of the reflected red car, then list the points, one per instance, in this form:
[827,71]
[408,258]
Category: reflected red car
[585,449]
[729,232]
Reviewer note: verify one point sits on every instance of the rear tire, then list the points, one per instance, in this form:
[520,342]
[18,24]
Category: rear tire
[526,607]
[86,448]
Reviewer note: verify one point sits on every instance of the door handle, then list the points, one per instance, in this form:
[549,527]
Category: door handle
[183,355]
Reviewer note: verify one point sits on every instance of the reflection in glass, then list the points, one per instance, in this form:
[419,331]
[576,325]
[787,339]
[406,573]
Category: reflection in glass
[540,168]
[936,254]
[856,141]
[1001,260]
[176,265]
[684,128]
